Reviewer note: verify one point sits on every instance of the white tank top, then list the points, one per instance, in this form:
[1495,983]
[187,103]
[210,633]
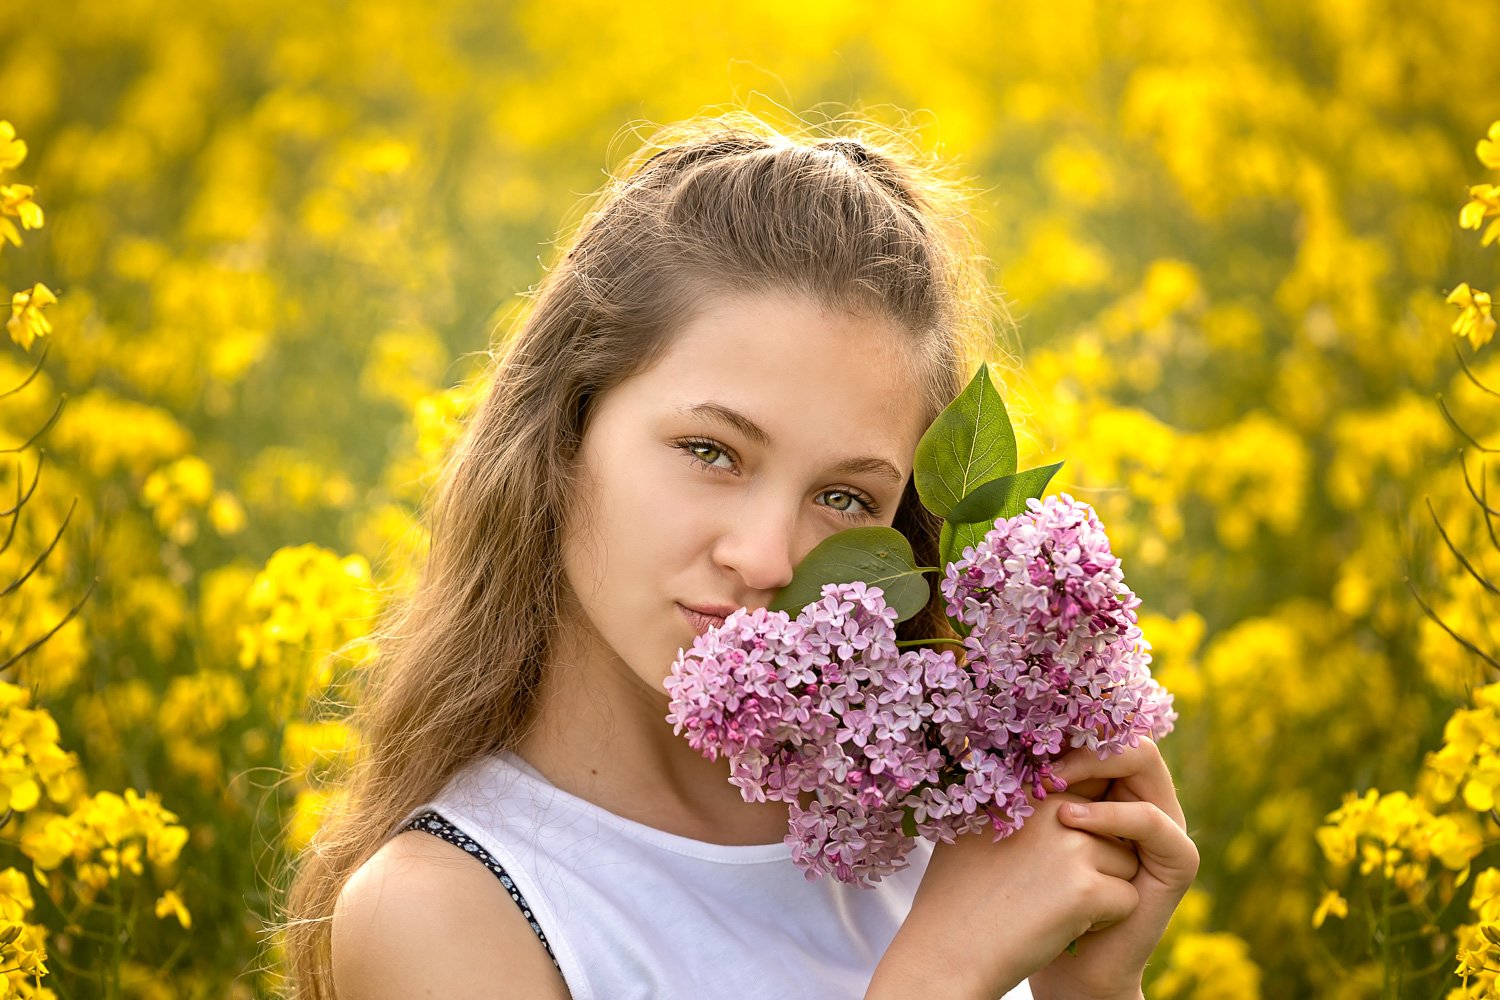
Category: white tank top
[630,911]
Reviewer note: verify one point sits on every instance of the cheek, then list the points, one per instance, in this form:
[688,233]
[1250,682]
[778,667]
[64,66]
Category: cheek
[636,528]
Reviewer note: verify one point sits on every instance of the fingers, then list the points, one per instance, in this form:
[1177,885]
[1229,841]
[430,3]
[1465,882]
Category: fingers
[1113,900]
[1091,788]
[1138,773]
[1105,854]
[1165,848]
[1113,857]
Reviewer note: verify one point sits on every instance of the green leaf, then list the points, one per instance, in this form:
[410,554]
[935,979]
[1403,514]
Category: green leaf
[908,822]
[971,442]
[1003,497]
[956,537]
[881,557]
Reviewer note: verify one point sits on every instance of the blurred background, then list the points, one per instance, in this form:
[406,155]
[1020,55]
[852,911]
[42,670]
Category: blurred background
[281,235]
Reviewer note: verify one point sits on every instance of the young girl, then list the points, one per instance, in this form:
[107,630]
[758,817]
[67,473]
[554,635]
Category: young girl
[734,360]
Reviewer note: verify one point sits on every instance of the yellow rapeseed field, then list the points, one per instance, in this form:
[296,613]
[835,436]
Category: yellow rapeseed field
[255,254]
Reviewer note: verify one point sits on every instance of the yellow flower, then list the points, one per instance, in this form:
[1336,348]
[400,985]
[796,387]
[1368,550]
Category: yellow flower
[1477,320]
[170,904]
[226,514]
[12,150]
[1486,898]
[1331,904]
[23,954]
[15,895]
[1484,201]
[26,321]
[16,202]
[1488,149]
[306,609]
[52,844]
[1203,965]
[177,493]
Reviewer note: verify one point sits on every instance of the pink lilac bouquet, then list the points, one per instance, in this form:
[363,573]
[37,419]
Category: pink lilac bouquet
[873,745]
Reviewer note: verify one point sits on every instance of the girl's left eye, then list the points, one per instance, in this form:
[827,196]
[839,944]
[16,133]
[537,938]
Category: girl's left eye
[848,502]
[710,453]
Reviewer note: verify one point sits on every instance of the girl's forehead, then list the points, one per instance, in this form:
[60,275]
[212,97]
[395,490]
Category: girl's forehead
[788,360]
[791,331]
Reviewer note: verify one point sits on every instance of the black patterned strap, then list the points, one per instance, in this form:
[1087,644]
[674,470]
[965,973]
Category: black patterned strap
[434,823]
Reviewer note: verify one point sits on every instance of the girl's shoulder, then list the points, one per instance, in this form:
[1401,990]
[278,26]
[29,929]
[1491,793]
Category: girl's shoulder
[424,916]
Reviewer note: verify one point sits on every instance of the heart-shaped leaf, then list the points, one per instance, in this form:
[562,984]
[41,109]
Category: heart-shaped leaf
[1003,497]
[881,557]
[971,442]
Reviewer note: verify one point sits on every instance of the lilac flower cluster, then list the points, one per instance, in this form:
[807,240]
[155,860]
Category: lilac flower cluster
[867,741]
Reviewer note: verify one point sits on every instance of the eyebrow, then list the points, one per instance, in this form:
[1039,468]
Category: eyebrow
[756,433]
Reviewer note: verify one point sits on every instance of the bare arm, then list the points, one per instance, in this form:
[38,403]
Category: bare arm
[422,918]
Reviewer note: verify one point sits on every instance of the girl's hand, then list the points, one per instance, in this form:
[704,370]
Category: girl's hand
[1140,806]
[988,914]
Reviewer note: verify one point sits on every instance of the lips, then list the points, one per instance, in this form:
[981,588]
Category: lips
[706,616]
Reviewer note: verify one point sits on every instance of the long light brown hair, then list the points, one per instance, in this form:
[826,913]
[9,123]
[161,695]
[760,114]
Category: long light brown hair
[855,217]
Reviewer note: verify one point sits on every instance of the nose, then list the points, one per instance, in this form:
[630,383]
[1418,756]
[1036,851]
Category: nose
[756,545]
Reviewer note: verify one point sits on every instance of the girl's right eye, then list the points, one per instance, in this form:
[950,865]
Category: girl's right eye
[709,453]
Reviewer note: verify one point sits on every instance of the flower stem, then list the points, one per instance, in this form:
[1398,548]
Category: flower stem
[923,642]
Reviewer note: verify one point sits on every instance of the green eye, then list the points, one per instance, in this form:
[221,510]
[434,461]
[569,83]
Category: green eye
[709,453]
[706,453]
[848,503]
[839,500]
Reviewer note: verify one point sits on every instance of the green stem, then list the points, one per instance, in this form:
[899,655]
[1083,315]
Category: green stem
[118,923]
[924,642]
[1385,941]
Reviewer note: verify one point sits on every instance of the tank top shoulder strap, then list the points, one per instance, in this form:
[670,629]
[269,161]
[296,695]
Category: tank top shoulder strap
[433,822]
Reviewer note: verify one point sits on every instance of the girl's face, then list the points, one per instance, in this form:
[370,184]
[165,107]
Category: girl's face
[768,425]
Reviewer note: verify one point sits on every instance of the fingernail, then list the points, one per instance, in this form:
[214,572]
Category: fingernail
[1075,810]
